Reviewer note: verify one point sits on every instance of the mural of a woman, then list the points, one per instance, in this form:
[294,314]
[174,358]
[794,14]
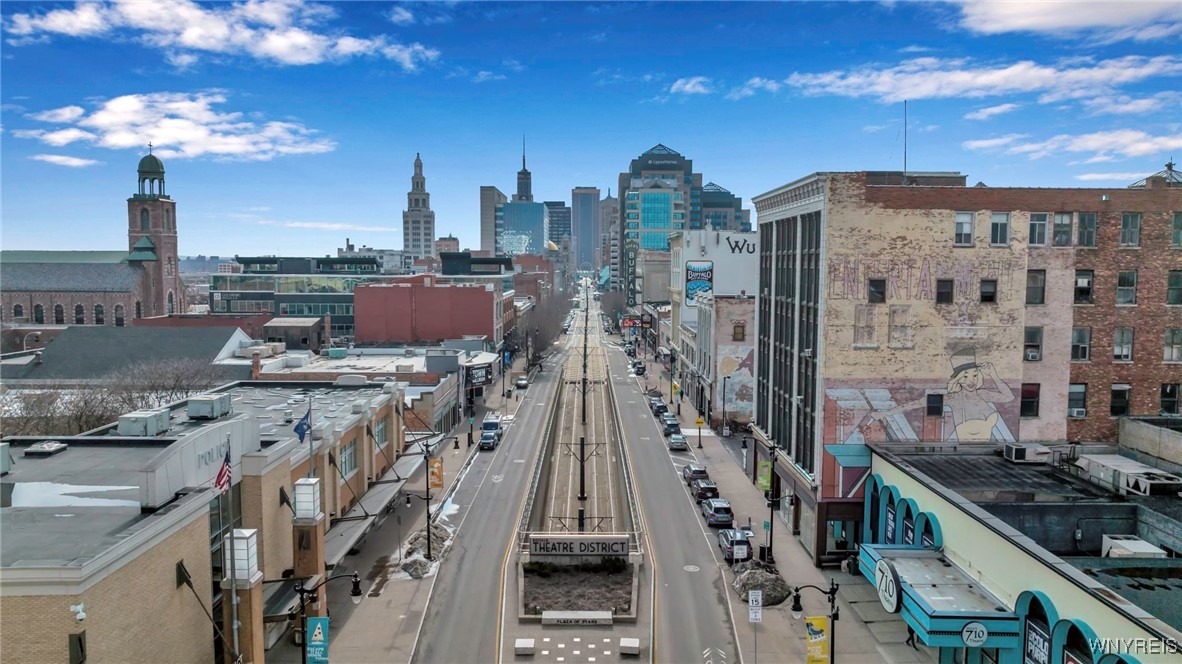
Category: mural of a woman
[972,402]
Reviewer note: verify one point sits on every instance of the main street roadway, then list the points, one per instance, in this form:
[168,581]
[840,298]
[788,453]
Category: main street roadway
[694,604]
[460,625]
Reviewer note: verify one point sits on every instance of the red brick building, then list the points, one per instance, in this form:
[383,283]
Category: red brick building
[534,263]
[251,324]
[419,309]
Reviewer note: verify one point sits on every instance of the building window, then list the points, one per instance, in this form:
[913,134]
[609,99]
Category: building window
[935,407]
[1077,400]
[899,325]
[38,314]
[77,647]
[1122,344]
[145,224]
[167,220]
[171,304]
[877,291]
[1126,287]
[963,233]
[739,332]
[379,434]
[1172,349]
[1033,344]
[1038,228]
[79,314]
[1083,286]
[349,459]
[139,309]
[59,314]
[1169,398]
[989,291]
[999,229]
[1036,286]
[1081,343]
[99,317]
[944,291]
[1030,399]
[118,315]
[1087,229]
[1120,400]
[1174,287]
[1130,229]
[1061,234]
[1176,235]
[864,325]
[18,312]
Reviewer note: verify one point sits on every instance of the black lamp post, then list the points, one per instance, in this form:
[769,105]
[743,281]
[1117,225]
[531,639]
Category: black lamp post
[426,498]
[725,427]
[311,595]
[831,593]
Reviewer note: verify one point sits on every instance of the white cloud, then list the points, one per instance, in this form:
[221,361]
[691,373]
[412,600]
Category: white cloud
[914,48]
[513,65]
[63,160]
[1126,105]
[990,111]
[401,16]
[181,61]
[486,76]
[935,78]
[1109,21]
[286,32]
[990,143]
[63,114]
[752,86]
[870,129]
[1122,177]
[1102,145]
[184,125]
[694,85]
[326,226]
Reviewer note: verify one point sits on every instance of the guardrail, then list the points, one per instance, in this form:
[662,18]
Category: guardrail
[527,508]
[637,520]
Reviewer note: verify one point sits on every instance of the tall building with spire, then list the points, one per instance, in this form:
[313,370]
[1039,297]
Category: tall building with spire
[418,221]
[525,184]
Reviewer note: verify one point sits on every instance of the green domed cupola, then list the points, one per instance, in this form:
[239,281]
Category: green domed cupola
[151,176]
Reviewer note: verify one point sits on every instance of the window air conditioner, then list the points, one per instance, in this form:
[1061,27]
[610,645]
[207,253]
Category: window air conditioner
[1033,355]
[1077,412]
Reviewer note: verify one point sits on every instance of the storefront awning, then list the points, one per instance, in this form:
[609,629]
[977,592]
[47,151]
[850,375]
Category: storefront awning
[850,456]
[944,605]
[370,511]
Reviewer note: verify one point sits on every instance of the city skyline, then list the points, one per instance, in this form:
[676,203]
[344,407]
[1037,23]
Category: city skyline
[286,127]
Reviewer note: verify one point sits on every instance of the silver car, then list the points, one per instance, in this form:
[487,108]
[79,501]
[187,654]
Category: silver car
[718,512]
[677,442]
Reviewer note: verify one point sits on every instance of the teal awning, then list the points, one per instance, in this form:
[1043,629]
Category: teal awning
[850,456]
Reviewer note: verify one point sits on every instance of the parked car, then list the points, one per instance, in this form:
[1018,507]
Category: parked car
[521,383]
[718,512]
[640,370]
[694,471]
[668,417]
[677,442]
[703,490]
[672,428]
[660,408]
[728,538]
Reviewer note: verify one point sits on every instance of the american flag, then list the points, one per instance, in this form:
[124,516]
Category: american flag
[222,481]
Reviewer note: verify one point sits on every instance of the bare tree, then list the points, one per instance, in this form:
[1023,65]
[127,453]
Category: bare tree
[67,409]
[612,304]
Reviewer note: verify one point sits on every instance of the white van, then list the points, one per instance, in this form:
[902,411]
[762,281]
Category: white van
[492,424]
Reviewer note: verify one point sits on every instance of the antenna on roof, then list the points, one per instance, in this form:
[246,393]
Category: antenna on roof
[904,141]
[149,147]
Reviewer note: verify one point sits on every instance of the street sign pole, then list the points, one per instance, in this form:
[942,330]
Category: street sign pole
[755,616]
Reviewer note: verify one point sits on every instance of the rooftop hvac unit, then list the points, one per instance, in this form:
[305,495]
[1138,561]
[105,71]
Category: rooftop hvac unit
[5,459]
[1128,546]
[1151,483]
[338,353]
[46,448]
[142,423]
[209,406]
[1019,453]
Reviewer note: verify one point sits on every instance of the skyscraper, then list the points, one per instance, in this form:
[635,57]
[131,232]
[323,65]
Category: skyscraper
[723,211]
[525,185]
[659,194]
[585,212]
[491,199]
[609,231]
[418,221]
[560,221]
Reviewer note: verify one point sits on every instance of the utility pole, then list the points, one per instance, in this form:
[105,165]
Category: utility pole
[586,327]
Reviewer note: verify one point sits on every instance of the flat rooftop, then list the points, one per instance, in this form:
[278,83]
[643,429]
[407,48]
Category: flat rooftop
[66,509]
[988,478]
[944,587]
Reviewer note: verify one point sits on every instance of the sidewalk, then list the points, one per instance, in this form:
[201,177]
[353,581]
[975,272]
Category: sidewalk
[384,626]
[864,634]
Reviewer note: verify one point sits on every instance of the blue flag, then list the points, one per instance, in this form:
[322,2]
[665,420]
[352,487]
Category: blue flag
[304,424]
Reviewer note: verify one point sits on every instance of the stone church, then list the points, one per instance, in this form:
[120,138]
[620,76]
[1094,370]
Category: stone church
[102,287]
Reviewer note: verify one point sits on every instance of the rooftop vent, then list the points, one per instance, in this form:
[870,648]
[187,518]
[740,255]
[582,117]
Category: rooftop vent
[1128,546]
[46,449]
[1018,453]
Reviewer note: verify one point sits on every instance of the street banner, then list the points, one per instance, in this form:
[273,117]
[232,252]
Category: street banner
[764,480]
[818,639]
[316,640]
[436,470]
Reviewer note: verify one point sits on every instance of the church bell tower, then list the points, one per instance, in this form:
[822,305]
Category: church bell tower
[152,242]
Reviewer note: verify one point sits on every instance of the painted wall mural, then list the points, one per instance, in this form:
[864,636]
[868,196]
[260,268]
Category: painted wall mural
[737,361]
[914,278]
[699,278]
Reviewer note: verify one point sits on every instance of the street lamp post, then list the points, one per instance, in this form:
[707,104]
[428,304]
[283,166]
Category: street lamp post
[725,426]
[831,593]
[427,485]
[25,341]
[310,595]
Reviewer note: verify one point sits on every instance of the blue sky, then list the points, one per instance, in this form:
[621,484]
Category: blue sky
[287,126]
